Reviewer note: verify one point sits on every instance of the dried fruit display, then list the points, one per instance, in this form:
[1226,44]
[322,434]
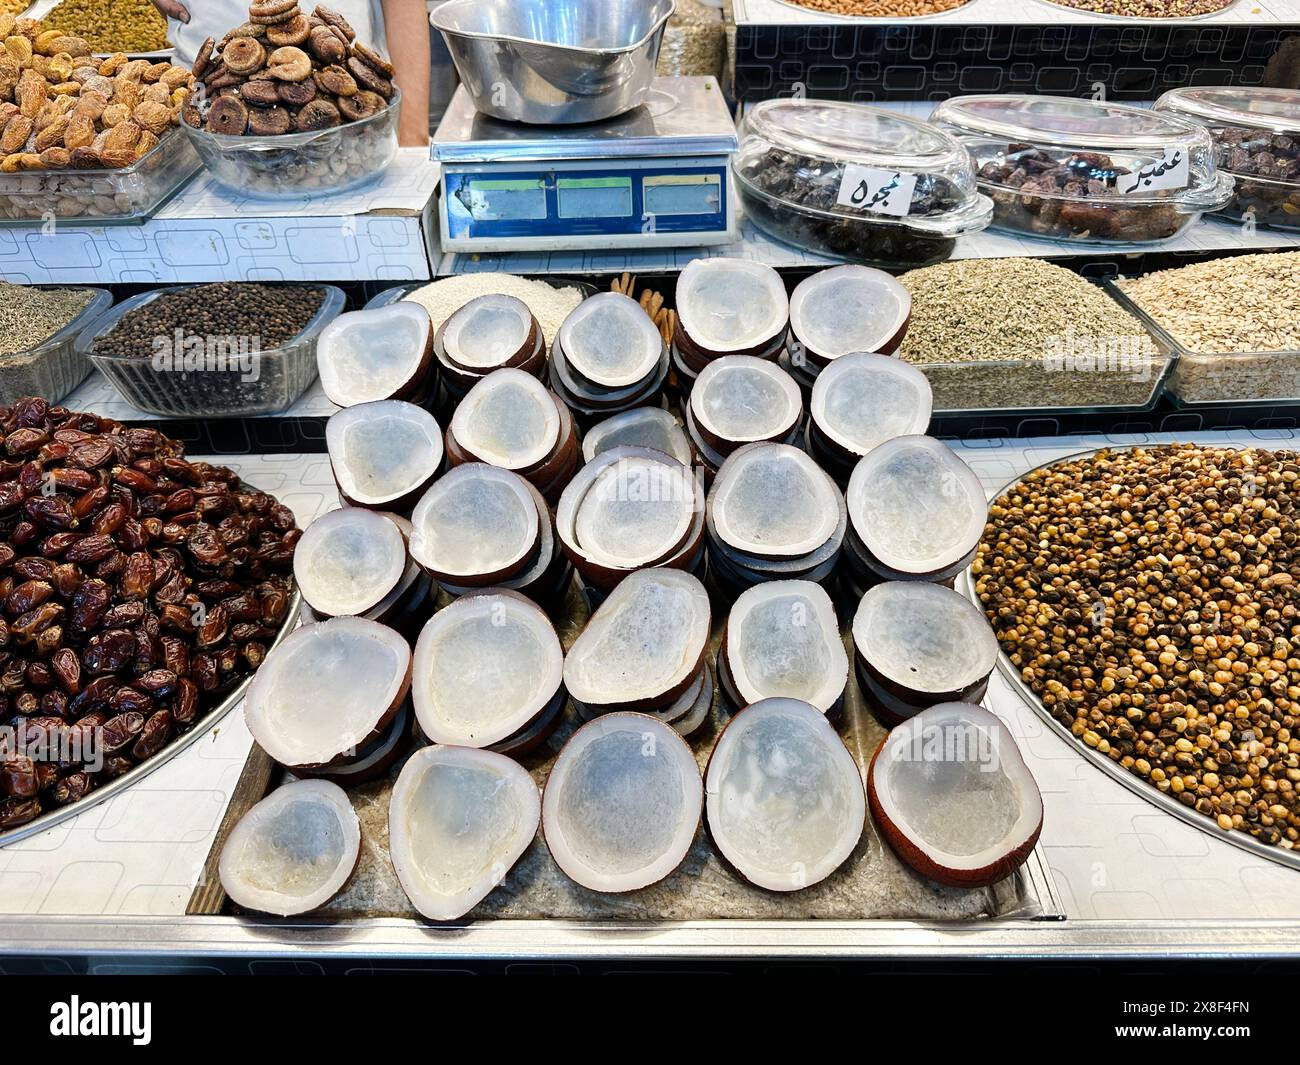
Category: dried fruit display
[136,589]
[111,25]
[61,107]
[286,72]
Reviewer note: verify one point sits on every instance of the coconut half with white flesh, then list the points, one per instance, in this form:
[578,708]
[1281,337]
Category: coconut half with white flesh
[293,851]
[383,454]
[923,642]
[488,333]
[783,640]
[773,501]
[610,341]
[739,399]
[731,306]
[508,419]
[326,690]
[650,427]
[785,804]
[458,821]
[377,354]
[644,646]
[953,797]
[348,561]
[916,507]
[849,308]
[485,667]
[622,803]
[860,401]
[477,525]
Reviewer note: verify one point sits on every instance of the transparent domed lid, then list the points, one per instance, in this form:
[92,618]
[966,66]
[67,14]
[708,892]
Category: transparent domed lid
[1277,110]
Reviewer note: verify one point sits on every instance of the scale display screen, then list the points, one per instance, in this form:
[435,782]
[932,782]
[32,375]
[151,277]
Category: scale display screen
[596,197]
[670,194]
[504,200]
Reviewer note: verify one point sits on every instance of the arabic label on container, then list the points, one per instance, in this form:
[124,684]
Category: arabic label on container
[867,188]
[1171,171]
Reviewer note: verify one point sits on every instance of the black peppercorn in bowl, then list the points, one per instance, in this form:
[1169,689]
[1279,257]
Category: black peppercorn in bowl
[220,350]
[1087,171]
[1256,133]
[856,183]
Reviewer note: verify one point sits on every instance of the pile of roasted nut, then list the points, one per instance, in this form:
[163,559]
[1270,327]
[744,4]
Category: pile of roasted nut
[136,587]
[283,71]
[62,107]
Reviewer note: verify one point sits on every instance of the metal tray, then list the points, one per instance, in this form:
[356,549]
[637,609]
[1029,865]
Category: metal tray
[873,885]
[1157,798]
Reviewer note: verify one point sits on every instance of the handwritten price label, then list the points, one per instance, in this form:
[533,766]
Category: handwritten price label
[1171,171]
[864,188]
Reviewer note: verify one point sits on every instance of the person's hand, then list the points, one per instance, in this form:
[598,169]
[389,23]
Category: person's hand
[172,9]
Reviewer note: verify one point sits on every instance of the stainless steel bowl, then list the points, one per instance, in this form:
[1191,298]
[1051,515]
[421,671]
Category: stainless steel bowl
[554,62]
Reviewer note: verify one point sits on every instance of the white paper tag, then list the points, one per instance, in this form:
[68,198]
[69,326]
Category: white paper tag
[866,188]
[1171,171]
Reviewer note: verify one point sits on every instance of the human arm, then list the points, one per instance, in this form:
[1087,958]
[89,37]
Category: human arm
[406,24]
[172,9]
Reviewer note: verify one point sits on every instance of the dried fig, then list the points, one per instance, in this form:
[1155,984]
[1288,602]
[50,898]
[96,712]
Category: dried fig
[284,13]
[113,64]
[155,72]
[293,32]
[325,45]
[333,18]
[297,93]
[157,93]
[134,69]
[319,114]
[91,104]
[271,8]
[228,116]
[361,105]
[123,137]
[260,93]
[191,116]
[99,84]
[204,57]
[114,114]
[335,80]
[373,59]
[289,64]
[176,78]
[369,79]
[244,55]
[268,121]
[153,117]
[245,30]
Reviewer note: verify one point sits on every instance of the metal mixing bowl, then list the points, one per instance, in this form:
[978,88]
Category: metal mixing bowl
[554,62]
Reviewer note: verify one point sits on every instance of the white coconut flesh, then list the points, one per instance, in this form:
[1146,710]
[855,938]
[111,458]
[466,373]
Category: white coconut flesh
[381,451]
[629,509]
[953,781]
[742,398]
[610,340]
[649,427]
[785,800]
[783,640]
[731,304]
[348,561]
[916,506]
[484,668]
[644,640]
[293,851]
[325,689]
[487,332]
[475,519]
[622,803]
[458,821]
[848,308]
[860,401]
[364,356]
[507,419]
[924,637]
[772,499]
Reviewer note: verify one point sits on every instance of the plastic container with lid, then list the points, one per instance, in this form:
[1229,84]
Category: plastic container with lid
[1087,171]
[1256,131]
[856,183]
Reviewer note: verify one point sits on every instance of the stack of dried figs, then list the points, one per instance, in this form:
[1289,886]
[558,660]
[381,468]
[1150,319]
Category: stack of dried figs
[283,71]
[136,587]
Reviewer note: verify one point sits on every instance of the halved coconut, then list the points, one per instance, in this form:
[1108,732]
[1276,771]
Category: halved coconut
[650,427]
[785,803]
[293,851]
[458,821]
[508,419]
[916,506]
[489,332]
[849,308]
[860,401]
[643,647]
[739,399]
[731,306]
[953,796]
[383,454]
[783,640]
[478,524]
[923,642]
[383,353]
[622,803]
[327,690]
[371,761]
[484,668]
[348,561]
[772,501]
[609,340]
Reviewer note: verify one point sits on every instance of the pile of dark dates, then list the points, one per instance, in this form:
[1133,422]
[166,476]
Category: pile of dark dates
[136,588]
[286,72]
[1274,158]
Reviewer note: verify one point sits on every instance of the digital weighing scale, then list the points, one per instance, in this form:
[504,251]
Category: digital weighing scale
[657,176]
